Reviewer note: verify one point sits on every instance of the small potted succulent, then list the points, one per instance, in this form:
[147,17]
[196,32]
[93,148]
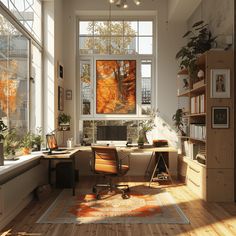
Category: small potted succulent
[3,128]
[37,140]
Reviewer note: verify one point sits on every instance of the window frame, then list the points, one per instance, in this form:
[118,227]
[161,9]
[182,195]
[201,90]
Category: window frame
[32,41]
[138,57]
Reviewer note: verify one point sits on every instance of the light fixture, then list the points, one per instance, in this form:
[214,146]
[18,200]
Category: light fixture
[123,3]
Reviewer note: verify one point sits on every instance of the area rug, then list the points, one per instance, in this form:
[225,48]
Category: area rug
[145,205]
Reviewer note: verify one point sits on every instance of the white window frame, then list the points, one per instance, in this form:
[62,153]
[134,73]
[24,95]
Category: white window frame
[138,57]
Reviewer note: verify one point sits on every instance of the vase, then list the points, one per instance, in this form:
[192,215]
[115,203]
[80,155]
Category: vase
[26,151]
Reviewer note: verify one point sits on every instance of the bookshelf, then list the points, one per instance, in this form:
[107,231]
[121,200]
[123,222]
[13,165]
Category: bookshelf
[206,161]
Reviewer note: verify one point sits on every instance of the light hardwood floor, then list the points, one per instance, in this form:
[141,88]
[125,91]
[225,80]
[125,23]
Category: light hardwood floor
[206,218]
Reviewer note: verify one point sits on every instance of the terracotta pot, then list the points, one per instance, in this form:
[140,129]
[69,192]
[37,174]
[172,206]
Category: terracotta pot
[26,151]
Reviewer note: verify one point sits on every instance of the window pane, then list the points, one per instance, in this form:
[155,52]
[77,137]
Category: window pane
[86,28]
[85,81]
[14,71]
[29,13]
[116,45]
[86,45]
[36,90]
[101,45]
[145,28]
[101,28]
[130,45]
[146,75]
[117,28]
[145,45]
[130,28]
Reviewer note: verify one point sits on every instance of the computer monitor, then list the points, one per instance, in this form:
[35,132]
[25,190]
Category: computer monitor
[51,142]
[112,134]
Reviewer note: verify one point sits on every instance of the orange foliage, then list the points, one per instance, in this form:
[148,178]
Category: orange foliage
[8,92]
[116,87]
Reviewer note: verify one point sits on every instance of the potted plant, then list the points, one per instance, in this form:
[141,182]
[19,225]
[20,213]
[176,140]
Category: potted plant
[11,144]
[200,41]
[141,141]
[64,121]
[26,143]
[146,125]
[37,140]
[178,119]
[3,128]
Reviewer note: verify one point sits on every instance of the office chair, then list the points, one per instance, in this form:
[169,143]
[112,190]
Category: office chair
[107,164]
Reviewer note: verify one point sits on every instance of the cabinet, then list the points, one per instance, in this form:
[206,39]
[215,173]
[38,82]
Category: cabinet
[211,179]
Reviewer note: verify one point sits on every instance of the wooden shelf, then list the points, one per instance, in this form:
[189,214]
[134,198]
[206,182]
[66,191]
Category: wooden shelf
[184,94]
[197,115]
[183,137]
[198,90]
[197,140]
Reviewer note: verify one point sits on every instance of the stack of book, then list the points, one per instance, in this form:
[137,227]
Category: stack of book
[191,149]
[198,104]
[198,131]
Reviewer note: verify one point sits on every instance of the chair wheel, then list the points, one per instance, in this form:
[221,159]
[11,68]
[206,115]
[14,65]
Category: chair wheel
[98,197]
[125,196]
[94,190]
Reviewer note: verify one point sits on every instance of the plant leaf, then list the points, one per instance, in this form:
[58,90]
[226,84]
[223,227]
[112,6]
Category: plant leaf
[187,33]
[197,23]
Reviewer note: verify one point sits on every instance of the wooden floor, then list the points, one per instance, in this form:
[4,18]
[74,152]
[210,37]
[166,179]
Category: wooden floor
[206,218]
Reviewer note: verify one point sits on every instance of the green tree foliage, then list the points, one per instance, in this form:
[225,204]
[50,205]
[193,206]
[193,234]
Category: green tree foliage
[110,36]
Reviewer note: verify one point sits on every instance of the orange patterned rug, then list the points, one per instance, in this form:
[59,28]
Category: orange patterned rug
[145,205]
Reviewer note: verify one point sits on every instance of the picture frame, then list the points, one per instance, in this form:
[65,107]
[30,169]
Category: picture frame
[60,98]
[220,83]
[220,117]
[115,85]
[60,71]
[68,94]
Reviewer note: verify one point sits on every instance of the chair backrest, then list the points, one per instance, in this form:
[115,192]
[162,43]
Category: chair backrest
[105,160]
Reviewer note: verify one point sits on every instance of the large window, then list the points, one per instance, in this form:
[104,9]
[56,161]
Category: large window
[20,70]
[14,74]
[28,12]
[116,61]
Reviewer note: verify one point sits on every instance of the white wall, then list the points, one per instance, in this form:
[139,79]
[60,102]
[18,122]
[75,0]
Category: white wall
[220,17]
[169,40]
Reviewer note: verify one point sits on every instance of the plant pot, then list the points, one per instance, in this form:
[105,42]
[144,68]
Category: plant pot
[1,155]
[140,145]
[26,151]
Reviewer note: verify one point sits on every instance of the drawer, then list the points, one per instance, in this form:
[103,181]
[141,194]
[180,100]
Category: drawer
[196,179]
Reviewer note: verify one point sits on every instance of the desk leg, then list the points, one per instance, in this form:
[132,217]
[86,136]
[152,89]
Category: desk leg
[149,163]
[49,171]
[73,176]
[154,171]
[167,169]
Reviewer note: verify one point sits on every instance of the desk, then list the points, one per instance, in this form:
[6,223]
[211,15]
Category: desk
[156,151]
[126,150]
[69,155]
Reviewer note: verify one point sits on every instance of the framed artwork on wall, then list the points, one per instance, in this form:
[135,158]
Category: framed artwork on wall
[60,98]
[60,71]
[68,94]
[220,83]
[116,86]
[220,117]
